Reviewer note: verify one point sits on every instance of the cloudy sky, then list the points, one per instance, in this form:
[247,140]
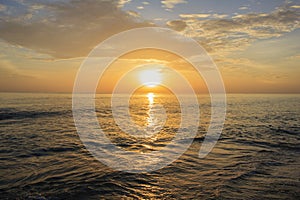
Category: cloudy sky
[255,44]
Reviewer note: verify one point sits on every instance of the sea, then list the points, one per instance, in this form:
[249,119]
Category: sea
[256,157]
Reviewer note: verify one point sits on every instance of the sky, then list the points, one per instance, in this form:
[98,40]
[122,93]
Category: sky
[255,44]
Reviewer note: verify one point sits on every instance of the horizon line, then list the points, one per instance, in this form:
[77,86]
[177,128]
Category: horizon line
[43,92]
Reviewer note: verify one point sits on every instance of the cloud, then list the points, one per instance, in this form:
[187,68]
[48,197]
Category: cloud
[220,16]
[243,8]
[13,78]
[134,14]
[194,15]
[169,4]
[121,3]
[294,57]
[70,29]
[177,25]
[295,6]
[231,34]
[9,71]
[2,7]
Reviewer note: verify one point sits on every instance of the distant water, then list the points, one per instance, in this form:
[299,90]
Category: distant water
[257,156]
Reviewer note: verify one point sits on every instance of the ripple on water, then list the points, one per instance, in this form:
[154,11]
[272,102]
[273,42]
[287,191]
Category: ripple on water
[256,157]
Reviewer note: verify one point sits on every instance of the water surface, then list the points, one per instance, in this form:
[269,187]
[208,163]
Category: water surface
[257,156]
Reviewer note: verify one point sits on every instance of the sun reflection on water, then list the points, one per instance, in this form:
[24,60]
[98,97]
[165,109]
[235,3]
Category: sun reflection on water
[150,97]
[151,117]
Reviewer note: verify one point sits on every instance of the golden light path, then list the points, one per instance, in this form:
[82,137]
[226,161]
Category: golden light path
[150,96]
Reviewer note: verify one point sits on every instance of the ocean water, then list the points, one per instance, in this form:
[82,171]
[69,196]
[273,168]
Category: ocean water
[256,157]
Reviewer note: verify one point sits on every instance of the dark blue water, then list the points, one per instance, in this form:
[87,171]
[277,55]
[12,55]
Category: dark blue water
[257,156]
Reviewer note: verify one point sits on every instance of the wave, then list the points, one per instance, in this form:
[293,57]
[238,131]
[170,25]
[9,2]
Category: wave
[6,114]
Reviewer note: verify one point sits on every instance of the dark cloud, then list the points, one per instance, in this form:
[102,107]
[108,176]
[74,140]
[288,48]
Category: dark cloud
[66,30]
[177,25]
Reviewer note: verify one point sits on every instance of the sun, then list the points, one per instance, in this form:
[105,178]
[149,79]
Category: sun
[150,77]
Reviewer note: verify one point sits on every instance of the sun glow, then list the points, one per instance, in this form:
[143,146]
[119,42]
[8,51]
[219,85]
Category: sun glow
[150,77]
